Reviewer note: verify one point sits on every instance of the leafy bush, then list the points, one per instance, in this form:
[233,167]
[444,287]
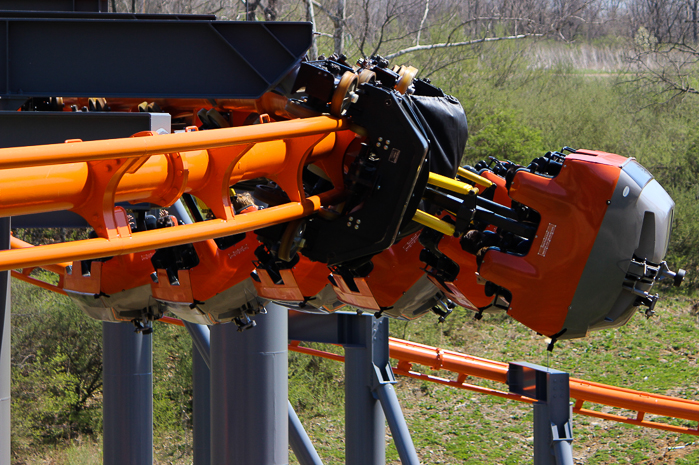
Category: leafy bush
[503,135]
[56,367]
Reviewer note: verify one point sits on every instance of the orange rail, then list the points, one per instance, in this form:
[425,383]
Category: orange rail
[86,178]
[642,403]
[148,240]
[166,166]
[136,147]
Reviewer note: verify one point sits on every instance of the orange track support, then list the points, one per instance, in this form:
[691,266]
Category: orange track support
[642,403]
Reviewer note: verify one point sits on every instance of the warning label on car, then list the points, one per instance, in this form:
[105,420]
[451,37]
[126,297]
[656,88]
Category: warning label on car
[547,239]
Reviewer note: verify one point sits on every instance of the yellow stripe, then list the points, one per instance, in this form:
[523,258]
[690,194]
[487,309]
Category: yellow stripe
[433,222]
[452,185]
[473,177]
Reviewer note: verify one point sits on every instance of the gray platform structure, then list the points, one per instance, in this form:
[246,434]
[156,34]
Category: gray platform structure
[246,373]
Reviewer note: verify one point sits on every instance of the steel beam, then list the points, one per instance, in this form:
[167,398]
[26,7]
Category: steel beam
[249,388]
[5,360]
[365,428]
[553,424]
[56,5]
[128,395]
[126,58]
[201,400]
[300,442]
[369,395]
[397,424]
[336,328]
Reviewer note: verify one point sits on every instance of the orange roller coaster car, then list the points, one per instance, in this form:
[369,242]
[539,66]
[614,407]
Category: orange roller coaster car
[580,246]
[567,244]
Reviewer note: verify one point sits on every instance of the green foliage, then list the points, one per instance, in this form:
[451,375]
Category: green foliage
[172,385]
[56,369]
[57,377]
[503,135]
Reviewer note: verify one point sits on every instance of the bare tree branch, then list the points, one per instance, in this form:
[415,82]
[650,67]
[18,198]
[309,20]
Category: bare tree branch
[467,43]
[422,23]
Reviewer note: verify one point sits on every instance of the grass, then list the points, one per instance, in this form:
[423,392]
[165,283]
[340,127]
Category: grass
[451,426]
[580,58]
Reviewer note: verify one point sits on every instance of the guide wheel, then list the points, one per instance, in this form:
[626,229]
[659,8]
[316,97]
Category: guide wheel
[342,98]
[292,240]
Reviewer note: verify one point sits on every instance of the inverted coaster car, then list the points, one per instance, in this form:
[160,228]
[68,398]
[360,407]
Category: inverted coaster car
[392,283]
[116,289]
[604,231]
[207,282]
[595,231]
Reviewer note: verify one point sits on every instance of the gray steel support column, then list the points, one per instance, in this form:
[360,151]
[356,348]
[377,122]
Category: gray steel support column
[365,427]
[201,400]
[553,413]
[201,340]
[300,442]
[249,392]
[542,435]
[5,371]
[563,451]
[397,424]
[128,395]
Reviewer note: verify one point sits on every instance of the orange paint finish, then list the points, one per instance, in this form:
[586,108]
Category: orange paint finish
[60,178]
[17,157]
[58,268]
[500,196]
[37,282]
[304,280]
[464,290]
[362,298]
[572,206]
[42,189]
[115,275]
[217,271]
[396,270]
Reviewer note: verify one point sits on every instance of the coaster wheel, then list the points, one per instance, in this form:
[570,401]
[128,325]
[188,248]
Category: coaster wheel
[366,76]
[292,240]
[407,75]
[342,98]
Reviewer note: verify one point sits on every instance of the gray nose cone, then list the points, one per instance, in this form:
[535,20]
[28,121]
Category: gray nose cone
[627,255]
